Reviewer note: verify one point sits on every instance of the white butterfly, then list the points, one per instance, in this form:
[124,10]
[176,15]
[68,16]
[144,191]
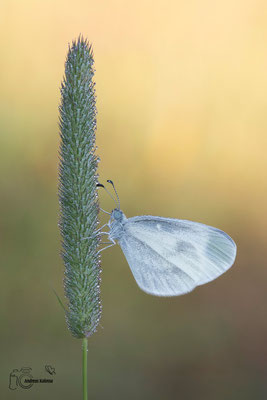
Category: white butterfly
[170,257]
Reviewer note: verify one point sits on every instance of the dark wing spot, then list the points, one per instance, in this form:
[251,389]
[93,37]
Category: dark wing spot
[185,247]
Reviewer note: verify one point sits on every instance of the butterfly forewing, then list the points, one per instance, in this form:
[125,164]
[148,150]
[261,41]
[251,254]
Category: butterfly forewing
[169,257]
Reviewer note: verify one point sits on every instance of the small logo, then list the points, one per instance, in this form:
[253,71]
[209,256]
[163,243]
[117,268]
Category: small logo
[23,377]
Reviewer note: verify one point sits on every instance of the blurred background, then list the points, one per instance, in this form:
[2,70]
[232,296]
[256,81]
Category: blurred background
[182,104]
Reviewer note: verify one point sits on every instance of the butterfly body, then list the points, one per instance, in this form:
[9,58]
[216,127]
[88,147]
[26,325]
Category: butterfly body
[169,257]
[116,224]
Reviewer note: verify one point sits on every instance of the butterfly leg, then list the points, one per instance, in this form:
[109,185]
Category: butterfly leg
[98,233]
[99,229]
[110,245]
[104,211]
[94,236]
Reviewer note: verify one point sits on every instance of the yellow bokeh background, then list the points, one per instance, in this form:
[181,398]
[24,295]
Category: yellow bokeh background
[182,131]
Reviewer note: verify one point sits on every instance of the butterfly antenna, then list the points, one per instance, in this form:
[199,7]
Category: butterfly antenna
[110,181]
[100,185]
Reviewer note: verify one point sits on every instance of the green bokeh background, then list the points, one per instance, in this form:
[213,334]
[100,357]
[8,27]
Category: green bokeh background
[182,100]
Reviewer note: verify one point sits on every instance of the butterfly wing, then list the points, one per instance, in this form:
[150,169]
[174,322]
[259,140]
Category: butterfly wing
[169,257]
